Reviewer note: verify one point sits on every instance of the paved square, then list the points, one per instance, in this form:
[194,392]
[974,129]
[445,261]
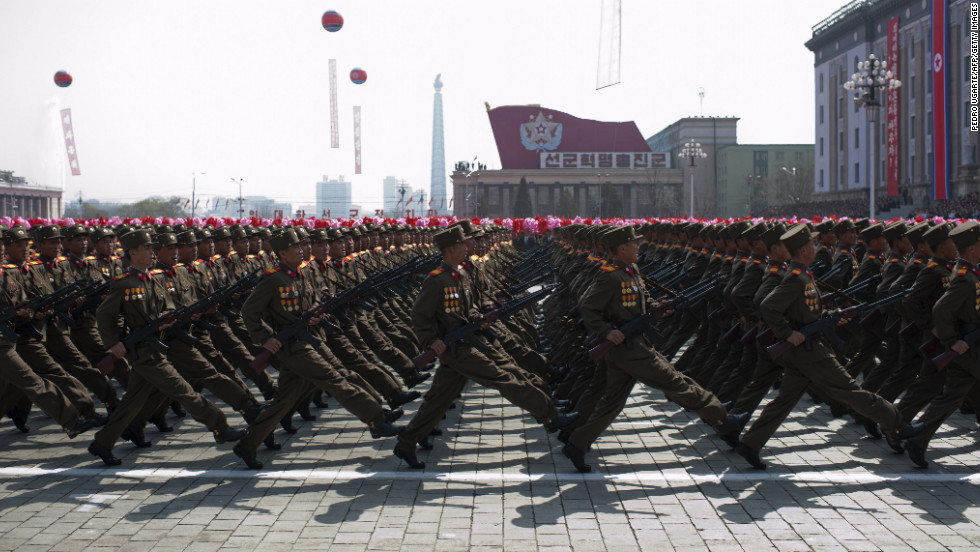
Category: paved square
[494,481]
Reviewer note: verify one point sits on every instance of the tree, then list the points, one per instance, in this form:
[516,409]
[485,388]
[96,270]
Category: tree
[522,204]
[153,207]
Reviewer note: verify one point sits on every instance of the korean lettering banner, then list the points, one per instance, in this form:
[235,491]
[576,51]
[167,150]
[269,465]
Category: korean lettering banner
[892,107]
[70,141]
[940,99]
[605,160]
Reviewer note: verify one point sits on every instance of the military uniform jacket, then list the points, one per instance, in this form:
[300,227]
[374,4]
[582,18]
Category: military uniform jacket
[872,264]
[615,297]
[774,274]
[178,283]
[894,268]
[442,304]
[846,256]
[958,310]
[744,292]
[929,285]
[11,290]
[281,297]
[108,267]
[792,304]
[825,257]
[134,300]
[907,278]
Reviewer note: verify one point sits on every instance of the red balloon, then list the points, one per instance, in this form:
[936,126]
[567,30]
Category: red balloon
[62,79]
[358,75]
[332,21]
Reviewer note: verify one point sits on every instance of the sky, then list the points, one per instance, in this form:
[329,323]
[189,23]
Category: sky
[238,89]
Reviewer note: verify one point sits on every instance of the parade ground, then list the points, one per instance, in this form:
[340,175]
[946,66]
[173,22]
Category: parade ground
[494,481]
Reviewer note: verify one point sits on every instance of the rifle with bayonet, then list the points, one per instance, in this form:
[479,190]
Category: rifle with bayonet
[826,324]
[147,333]
[64,308]
[37,304]
[471,332]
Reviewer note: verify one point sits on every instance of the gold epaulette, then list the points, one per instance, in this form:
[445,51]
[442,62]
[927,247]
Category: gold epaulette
[796,271]
[437,271]
[932,264]
[962,270]
[773,269]
[272,270]
[154,271]
[121,276]
[608,268]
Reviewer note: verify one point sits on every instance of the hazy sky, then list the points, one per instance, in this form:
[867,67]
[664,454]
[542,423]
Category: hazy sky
[239,88]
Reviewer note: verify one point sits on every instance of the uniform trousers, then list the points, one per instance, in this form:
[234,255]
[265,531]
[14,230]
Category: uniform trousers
[962,382]
[64,352]
[35,354]
[654,371]
[298,369]
[828,378]
[487,369]
[21,381]
[152,373]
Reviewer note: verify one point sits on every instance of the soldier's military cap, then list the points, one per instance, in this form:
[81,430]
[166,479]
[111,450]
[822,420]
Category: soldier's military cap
[318,235]
[221,233]
[693,230]
[937,235]
[771,236]
[48,232]
[824,227]
[334,234]
[796,237]
[618,236]
[895,231]
[250,230]
[16,233]
[264,233]
[755,232]
[301,233]
[162,228]
[203,234]
[355,232]
[77,229]
[843,226]
[861,224]
[238,233]
[163,239]
[450,237]
[187,237]
[965,234]
[122,228]
[178,228]
[873,232]
[915,233]
[283,240]
[135,238]
[102,231]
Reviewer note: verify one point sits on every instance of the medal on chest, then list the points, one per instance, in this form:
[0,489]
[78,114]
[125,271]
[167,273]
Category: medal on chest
[976,305]
[289,298]
[450,300]
[629,294]
[812,297]
[134,294]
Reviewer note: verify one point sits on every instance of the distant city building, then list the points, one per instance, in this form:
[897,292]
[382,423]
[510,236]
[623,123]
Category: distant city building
[21,198]
[333,198]
[712,133]
[393,192]
[571,166]
[437,186]
[842,152]
[752,177]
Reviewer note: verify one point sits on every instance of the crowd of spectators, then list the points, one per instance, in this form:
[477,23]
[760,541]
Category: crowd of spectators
[965,206]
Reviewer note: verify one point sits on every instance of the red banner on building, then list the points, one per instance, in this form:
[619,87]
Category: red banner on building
[891,105]
[940,101]
[70,141]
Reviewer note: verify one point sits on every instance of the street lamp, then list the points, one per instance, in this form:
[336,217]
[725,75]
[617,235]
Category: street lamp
[869,83]
[241,207]
[693,150]
[469,196]
[194,190]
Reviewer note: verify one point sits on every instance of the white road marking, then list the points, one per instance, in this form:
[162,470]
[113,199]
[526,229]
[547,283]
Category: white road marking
[652,478]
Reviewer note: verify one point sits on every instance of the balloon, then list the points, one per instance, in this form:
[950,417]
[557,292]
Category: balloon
[332,21]
[358,75]
[62,79]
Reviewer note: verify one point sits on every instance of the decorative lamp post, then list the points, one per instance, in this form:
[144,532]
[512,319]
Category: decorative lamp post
[241,206]
[869,84]
[194,191]
[693,150]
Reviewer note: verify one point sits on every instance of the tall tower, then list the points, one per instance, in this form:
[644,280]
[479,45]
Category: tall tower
[437,188]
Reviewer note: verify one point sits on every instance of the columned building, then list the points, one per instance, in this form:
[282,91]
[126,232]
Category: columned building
[20,198]
[569,167]
[843,150]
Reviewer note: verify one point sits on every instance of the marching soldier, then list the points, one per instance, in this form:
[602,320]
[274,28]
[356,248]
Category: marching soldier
[137,299]
[792,304]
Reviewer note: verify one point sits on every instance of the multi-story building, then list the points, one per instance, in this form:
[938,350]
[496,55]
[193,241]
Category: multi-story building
[843,151]
[333,199]
[569,166]
[752,177]
[712,133]
[21,198]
